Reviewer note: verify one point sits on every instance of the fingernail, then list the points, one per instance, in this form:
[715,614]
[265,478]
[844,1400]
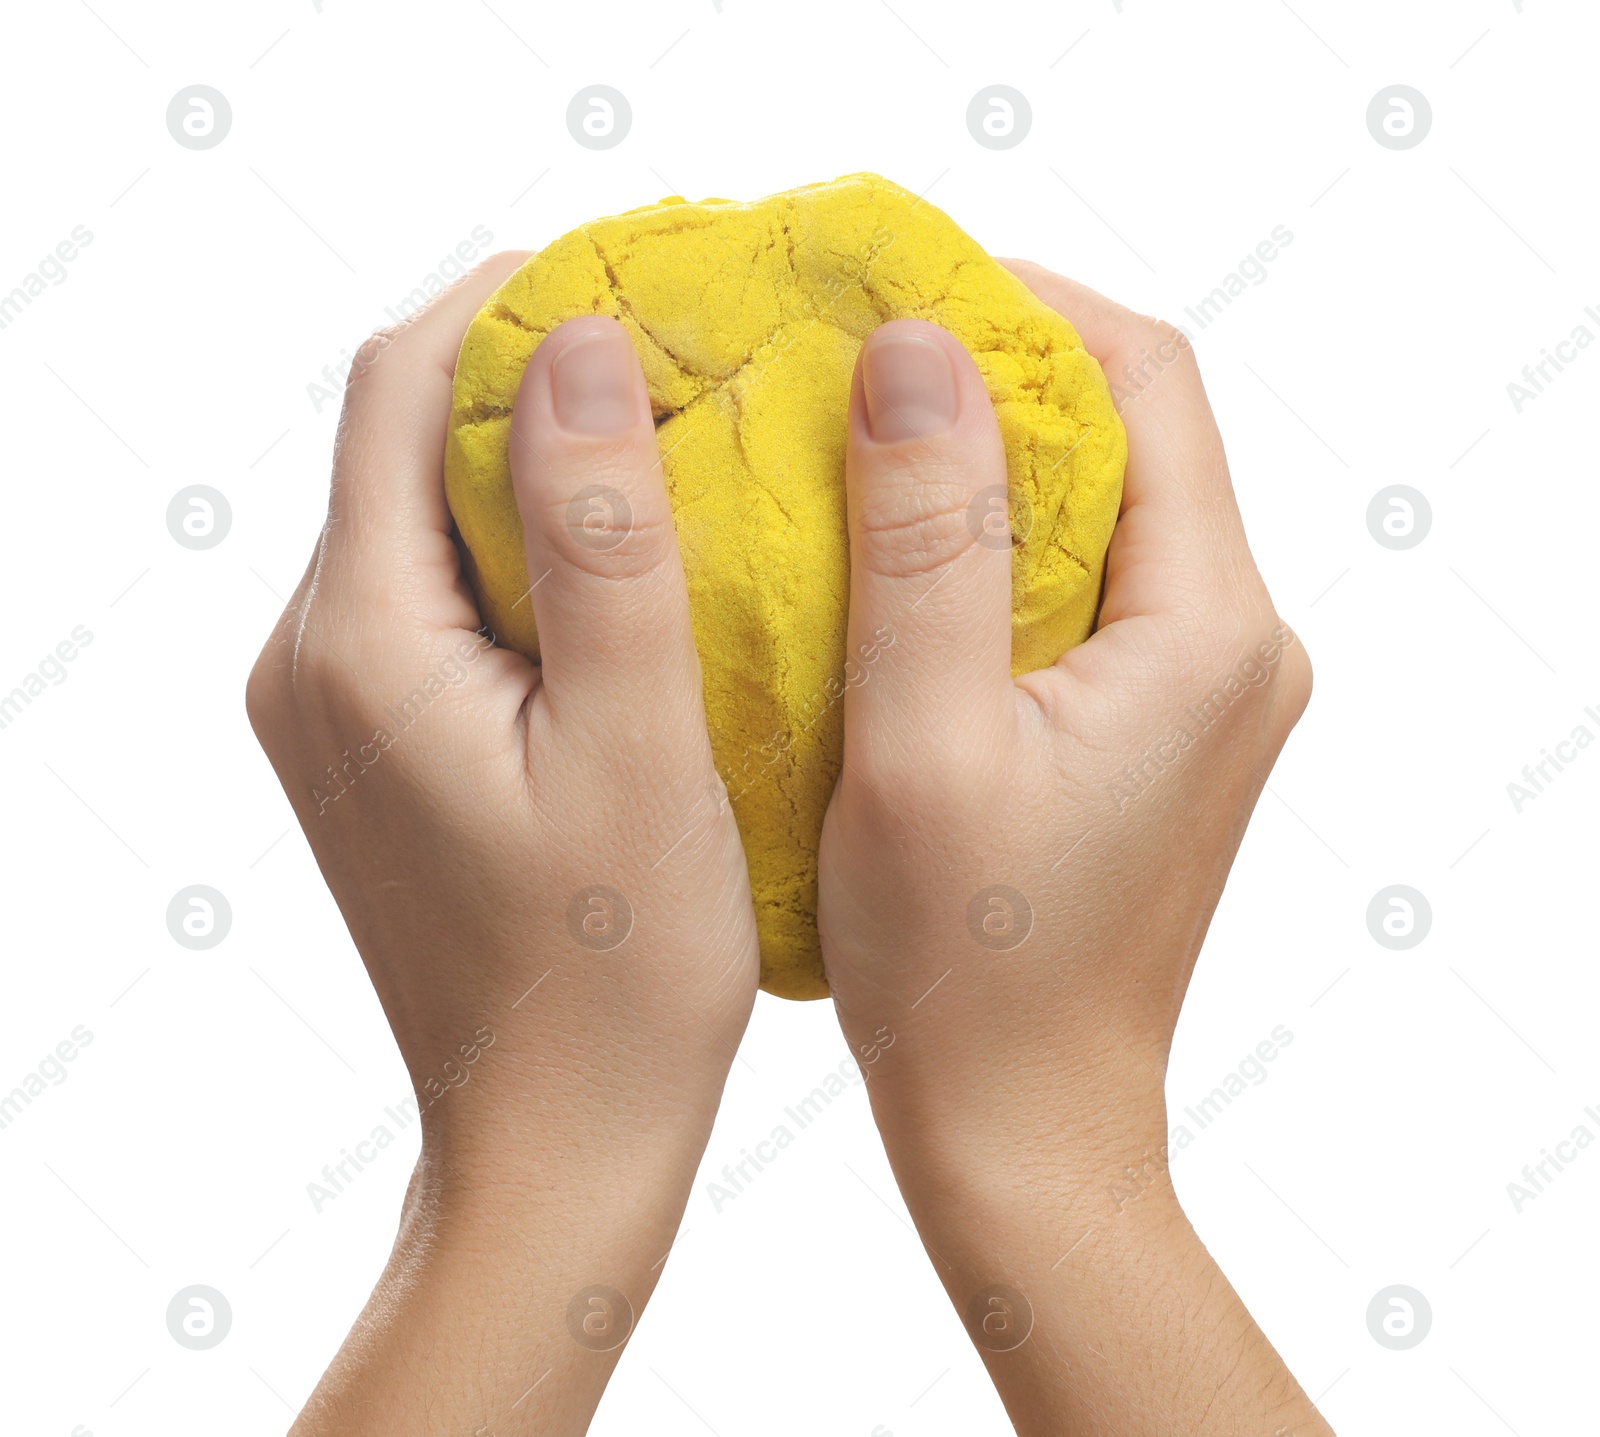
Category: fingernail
[592,385]
[910,388]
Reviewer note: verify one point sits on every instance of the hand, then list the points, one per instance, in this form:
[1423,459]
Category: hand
[1016,877]
[535,864]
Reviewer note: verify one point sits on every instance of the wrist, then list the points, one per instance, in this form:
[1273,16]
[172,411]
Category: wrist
[544,1114]
[515,1162]
[1076,1111]
[1080,1254]
[542,1283]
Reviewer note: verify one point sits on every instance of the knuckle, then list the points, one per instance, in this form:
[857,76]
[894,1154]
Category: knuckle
[501,259]
[1056,290]
[1205,655]
[608,528]
[298,665]
[368,353]
[1294,684]
[262,699]
[1196,646]
[918,523]
[271,700]
[1147,350]
[1033,274]
[314,679]
[951,790]
[381,340]
[1164,330]
[1166,341]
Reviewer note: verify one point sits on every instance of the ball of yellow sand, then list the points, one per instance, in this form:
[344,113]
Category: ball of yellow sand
[747,319]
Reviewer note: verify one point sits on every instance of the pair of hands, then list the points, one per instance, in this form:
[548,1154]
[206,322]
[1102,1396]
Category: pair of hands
[461,801]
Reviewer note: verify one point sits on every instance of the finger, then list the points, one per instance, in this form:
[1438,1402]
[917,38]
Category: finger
[930,546]
[1103,325]
[607,584]
[385,554]
[1179,534]
[387,516]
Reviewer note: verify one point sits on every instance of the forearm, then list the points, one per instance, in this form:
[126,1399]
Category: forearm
[1095,1305]
[509,1294]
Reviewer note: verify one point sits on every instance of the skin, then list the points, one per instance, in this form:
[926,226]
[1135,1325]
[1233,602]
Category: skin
[569,1049]
[1024,1079]
[565,1157]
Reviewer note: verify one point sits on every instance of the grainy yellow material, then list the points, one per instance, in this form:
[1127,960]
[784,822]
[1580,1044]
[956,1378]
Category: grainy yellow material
[747,318]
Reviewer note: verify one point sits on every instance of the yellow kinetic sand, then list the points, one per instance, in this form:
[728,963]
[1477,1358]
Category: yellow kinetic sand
[747,318]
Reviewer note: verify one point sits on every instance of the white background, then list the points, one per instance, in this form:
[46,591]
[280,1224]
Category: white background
[367,141]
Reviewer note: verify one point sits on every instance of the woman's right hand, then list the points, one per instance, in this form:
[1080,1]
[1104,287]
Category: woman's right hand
[1017,875]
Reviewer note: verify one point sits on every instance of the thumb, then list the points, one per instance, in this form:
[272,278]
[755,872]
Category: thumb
[606,582]
[930,548]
